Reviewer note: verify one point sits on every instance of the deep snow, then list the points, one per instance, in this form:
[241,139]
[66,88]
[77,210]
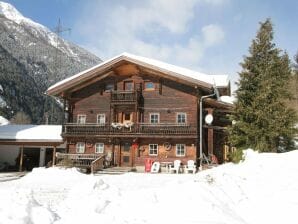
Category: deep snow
[262,189]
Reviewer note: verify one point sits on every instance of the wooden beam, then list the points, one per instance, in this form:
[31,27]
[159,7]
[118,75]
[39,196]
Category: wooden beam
[21,158]
[210,141]
[54,156]
[90,81]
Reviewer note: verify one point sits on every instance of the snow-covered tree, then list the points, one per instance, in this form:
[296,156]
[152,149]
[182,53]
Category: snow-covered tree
[262,119]
[20,118]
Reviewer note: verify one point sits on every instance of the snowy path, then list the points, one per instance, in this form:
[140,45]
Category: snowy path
[11,176]
[262,189]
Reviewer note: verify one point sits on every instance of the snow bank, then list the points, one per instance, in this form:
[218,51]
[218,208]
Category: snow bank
[261,189]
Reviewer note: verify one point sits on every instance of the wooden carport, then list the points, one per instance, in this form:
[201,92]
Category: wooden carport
[30,136]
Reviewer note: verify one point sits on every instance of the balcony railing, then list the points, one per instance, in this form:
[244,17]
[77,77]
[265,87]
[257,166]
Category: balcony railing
[125,96]
[140,129]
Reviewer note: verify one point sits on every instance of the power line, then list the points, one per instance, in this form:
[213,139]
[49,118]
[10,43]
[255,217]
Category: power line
[59,29]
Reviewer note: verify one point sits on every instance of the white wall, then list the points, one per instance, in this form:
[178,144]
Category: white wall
[9,153]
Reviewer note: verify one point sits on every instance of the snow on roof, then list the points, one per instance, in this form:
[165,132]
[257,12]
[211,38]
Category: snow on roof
[227,99]
[3,121]
[180,72]
[31,132]
[217,80]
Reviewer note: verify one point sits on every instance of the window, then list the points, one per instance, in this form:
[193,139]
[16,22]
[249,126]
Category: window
[154,118]
[126,147]
[109,87]
[101,118]
[99,147]
[81,119]
[80,147]
[149,85]
[153,149]
[180,150]
[181,118]
[128,85]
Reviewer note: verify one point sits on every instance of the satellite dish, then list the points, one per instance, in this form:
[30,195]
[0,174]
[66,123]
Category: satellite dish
[209,119]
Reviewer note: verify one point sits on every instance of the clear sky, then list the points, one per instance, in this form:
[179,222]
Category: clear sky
[210,36]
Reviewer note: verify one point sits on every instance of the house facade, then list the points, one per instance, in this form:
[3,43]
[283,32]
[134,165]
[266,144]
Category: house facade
[131,108]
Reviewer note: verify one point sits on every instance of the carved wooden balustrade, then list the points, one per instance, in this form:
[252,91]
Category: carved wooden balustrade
[140,129]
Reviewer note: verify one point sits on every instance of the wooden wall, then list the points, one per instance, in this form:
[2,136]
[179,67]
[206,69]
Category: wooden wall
[163,154]
[142,152]
[168,98]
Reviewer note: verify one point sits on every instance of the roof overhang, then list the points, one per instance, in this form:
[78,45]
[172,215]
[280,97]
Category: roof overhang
[151,66]
[25,142]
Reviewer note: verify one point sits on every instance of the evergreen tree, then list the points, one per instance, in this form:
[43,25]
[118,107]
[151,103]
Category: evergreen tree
[294,86]
[20,118]
[262,120]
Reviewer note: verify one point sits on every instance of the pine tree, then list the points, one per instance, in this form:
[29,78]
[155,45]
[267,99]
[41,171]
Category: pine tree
[20,118]
[262,120]
[294,85]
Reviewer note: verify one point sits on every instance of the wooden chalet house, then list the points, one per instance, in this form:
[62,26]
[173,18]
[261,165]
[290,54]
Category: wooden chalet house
[132,108]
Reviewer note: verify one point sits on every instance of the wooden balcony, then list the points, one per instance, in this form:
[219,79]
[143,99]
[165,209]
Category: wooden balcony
[125,97]
[135,130]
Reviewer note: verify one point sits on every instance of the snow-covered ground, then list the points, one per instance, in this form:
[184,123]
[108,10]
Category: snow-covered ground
[262,189]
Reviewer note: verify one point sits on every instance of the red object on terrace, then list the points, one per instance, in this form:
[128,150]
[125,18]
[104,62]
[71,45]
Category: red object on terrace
[148,164]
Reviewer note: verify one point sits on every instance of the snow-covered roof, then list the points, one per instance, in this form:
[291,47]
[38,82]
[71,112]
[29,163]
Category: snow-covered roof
[227,99]
[169,69]
[34,133]
[3,121]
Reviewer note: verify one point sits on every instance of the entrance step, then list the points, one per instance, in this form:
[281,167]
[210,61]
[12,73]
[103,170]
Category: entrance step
[116,170]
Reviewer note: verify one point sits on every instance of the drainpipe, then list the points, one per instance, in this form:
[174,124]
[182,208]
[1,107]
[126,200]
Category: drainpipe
[201,126]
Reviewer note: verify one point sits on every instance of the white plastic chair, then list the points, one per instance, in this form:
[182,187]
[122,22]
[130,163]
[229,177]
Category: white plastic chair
[191,166]
[155,167]
[175,167]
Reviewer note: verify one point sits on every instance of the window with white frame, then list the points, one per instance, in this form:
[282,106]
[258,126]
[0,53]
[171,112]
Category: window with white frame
[101,118]
[153,149]
[109,87]
[80,147]
[81,119]
[180,149]
[154,118]
[181,118]
[99,147]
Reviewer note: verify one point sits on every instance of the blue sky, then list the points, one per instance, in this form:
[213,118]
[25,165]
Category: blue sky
[210,36]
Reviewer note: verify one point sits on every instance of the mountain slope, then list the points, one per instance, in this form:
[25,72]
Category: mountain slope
[33,58]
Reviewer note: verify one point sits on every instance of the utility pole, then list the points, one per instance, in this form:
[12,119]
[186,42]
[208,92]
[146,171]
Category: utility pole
[58,30]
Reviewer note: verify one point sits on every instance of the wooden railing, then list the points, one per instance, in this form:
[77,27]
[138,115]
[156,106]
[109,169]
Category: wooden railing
[125,96]
[134,129]
[97,164]
[79,160]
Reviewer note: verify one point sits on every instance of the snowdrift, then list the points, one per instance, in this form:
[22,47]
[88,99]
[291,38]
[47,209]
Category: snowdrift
[262,189]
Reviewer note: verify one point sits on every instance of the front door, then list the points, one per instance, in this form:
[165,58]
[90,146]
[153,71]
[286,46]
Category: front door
[126,159]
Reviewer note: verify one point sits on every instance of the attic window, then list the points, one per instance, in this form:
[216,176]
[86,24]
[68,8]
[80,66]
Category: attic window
[109,87]
[149,85]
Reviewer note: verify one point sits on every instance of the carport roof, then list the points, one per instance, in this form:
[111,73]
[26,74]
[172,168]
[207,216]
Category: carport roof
[31,133]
